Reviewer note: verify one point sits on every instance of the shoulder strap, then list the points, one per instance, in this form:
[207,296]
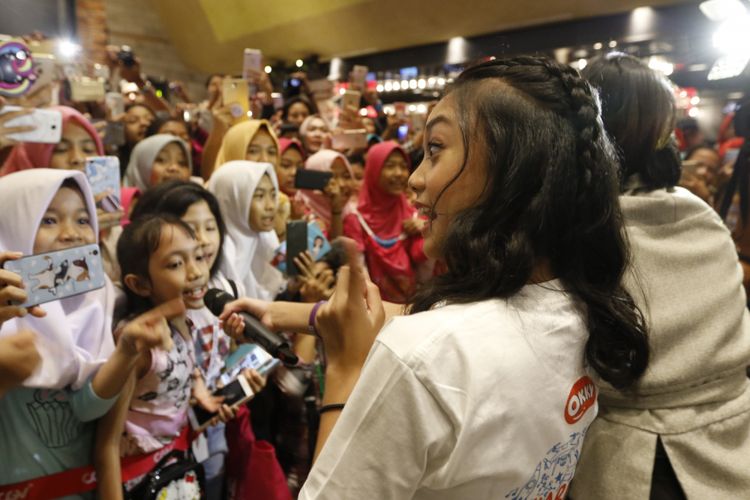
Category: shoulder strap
[235,292]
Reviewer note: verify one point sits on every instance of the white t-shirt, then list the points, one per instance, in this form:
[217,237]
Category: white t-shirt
[485,400]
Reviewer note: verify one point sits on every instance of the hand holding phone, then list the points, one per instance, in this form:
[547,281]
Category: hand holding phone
[350,139]
[235,93]
[57,275]
[12,291]
[296,243]
[103,173]
[350,100]
[40,125]
[234,394]
[312,179]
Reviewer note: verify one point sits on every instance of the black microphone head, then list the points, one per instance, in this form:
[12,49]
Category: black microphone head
[216,299]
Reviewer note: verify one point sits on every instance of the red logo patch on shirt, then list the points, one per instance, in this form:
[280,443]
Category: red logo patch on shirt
[582,397]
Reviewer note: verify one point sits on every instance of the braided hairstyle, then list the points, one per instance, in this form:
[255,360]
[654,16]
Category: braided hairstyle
[551,195]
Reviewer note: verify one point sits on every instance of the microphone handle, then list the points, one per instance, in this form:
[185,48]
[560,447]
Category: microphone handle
[272,343]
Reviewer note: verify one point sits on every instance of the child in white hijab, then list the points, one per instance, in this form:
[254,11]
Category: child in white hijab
[248,195]
[47,425]
[156,159]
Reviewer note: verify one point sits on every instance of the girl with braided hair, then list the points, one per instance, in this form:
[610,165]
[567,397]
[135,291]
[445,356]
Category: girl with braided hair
[480,387]
[682,430]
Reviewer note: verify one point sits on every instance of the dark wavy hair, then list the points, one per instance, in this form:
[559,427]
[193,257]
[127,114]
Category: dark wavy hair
[175,198]
[638,110]
[551,195]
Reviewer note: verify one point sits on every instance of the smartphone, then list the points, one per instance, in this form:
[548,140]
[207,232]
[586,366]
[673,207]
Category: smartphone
[87,89]
[351,99]
[48,123]
[235,92]
[312,179]
[296,243]
[251,63]
[236,393]
[317,243]
[359,76]
[103,173]
[350,139]
[403,132]
[60,274]
[16,68]
[114,134]
[246,356]
[115,103]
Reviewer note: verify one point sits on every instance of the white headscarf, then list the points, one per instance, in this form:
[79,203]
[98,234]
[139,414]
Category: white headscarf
[247,253]
[75,337]
[138,173]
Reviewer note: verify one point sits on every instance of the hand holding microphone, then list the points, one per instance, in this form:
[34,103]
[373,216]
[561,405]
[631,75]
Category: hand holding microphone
[254,330]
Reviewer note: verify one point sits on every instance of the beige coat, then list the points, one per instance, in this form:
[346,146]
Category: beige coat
[695,394]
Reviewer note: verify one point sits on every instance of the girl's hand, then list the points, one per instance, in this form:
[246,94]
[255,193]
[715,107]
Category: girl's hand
[11,290]
[314,287]
[202,396]
[151,329]
[234,326]
[413,226]
[336,195]
[256,380]
[258,308]
[5,131]
[349,322]
[18,359]
[106,220]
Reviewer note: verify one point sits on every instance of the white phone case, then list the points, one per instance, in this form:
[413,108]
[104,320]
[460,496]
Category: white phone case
[57,275]
[48,123]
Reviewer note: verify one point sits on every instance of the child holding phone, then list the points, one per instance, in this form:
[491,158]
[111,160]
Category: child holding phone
[247,195]
[328,207]
[48,422]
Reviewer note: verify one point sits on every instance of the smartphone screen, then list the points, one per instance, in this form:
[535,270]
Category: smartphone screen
[296,243]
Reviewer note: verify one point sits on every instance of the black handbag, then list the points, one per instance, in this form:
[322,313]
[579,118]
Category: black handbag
[176,476]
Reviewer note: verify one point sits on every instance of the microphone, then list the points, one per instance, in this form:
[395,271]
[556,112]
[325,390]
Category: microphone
[255,331]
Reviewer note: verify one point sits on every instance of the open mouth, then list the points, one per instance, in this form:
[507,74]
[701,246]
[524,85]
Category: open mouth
[195,294]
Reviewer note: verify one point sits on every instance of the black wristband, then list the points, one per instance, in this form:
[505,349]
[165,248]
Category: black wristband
[333,407]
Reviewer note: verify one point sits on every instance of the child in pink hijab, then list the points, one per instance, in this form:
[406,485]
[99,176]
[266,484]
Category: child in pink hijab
[61,155]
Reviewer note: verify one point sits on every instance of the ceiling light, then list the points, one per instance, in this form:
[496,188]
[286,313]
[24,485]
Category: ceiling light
[612,44]
[695,100]
[598,46]
[581,63]
[658,63]
[388,86]
[422,83]
[299,63]
[413,84]
[728,66]
[380,87]
[268,69]
[396,86]
[693,112]
[733,35]
[720,10]
[68,49]
[412,108]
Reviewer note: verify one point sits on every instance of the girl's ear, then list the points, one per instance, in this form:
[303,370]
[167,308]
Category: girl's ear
[138,285]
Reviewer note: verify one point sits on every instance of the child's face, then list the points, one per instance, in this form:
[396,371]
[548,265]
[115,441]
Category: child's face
[395,174]
[202,220]
[171,163]
[262,148]
[71,152]
[342,176]
[177,269]
[65,224]
[291,161]
[263,206]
